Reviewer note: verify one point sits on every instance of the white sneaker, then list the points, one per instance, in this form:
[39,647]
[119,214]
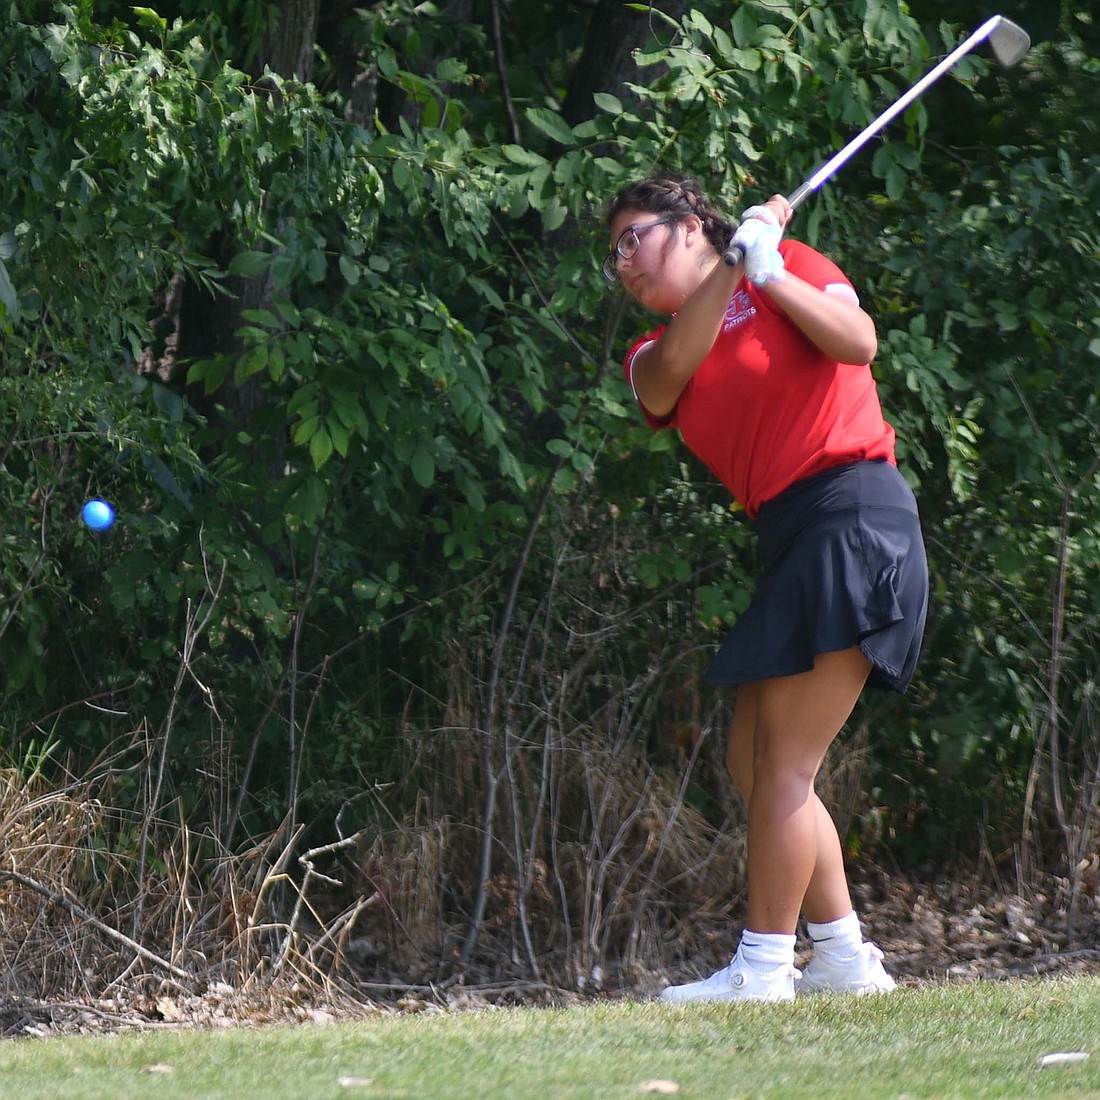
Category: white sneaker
[737,982]
[860,975]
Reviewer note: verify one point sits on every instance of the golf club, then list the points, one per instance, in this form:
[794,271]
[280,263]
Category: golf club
[1009,44]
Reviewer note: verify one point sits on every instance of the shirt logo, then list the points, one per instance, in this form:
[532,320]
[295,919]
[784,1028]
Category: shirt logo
[739,310]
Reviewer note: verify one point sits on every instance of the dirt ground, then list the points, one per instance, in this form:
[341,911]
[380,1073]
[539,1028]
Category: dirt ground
[959,931]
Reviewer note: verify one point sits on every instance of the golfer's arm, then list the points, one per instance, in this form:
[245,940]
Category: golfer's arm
[661,370]
[833,322]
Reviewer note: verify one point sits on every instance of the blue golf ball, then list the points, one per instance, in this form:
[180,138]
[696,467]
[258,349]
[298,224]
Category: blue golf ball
[98,515]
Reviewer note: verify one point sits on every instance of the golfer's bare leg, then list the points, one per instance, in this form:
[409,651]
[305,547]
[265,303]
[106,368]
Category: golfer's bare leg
[827,897]
[780,733]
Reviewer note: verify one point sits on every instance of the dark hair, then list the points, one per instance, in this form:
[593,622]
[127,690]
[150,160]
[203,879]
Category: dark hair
[678,197]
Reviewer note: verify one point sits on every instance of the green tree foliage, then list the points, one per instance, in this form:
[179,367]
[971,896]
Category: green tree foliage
[995,262]
[339,522]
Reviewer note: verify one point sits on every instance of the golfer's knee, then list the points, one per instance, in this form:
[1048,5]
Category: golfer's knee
[782,775]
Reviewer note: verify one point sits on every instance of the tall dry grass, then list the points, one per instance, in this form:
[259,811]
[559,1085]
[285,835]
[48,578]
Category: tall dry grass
[70,891]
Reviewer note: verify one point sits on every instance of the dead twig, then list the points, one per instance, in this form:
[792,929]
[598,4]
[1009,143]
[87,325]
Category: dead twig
[82,914]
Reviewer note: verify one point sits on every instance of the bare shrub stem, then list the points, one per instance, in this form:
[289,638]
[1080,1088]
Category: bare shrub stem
[82,914]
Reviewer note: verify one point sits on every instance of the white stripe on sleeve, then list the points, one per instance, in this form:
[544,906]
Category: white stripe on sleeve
[630,367]
[842,290]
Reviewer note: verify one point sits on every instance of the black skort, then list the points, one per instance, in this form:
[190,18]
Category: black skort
[843,565]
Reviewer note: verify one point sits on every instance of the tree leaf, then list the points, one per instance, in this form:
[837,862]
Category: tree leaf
[8,296]
[247,265]
[518,154]
[423,467]
[551,124]
[320,448]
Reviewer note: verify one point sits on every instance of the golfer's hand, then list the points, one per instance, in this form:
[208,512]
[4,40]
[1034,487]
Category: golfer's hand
[758,238]
[776,210]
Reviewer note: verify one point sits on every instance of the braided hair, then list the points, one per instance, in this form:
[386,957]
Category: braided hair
[678,196]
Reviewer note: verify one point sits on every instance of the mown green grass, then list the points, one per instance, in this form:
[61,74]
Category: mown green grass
[960,1041]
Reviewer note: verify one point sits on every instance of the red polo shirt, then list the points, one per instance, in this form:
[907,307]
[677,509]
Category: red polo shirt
[766,408]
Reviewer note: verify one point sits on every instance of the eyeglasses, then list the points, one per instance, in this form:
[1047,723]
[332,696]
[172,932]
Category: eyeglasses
[629,241]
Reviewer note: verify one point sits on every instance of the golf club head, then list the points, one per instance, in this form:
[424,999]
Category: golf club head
[1008,42]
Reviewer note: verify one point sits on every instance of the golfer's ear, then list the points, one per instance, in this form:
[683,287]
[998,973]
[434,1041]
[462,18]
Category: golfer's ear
[693,228]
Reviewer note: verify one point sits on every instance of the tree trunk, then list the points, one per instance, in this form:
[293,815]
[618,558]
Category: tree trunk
[288,50]
[209,323]
[607,61]
[354,69]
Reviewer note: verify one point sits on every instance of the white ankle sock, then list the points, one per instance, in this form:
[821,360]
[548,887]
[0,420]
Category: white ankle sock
[764,951]
[837,939]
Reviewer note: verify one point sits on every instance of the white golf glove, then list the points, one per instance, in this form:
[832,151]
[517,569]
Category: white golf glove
[758,238]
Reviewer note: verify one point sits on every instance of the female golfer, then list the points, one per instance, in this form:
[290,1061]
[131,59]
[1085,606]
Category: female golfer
[763,368]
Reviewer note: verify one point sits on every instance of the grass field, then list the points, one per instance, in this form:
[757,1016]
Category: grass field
[981,1040]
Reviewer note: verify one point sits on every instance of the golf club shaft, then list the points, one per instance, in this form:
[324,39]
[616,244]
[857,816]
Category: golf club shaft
[734,255]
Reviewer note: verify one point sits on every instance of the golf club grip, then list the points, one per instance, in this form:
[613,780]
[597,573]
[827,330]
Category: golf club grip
[734,255]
